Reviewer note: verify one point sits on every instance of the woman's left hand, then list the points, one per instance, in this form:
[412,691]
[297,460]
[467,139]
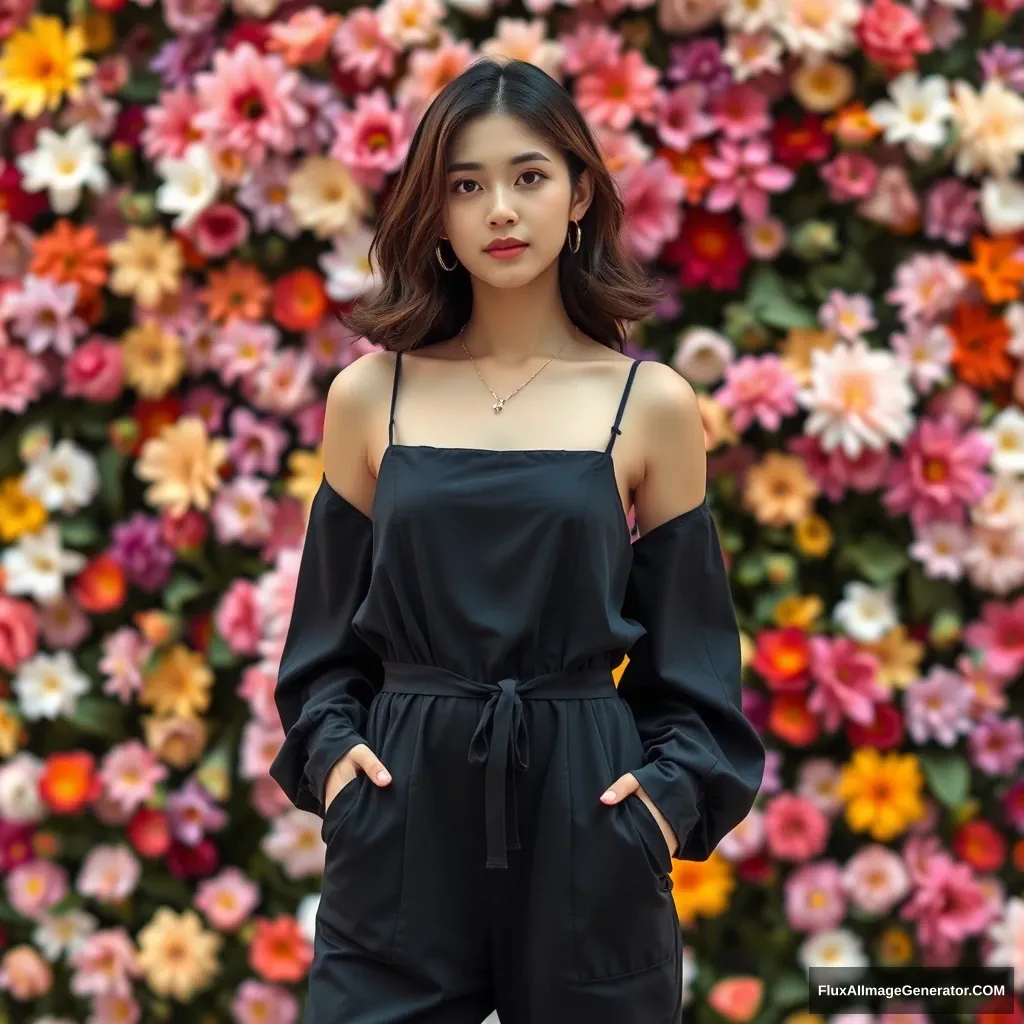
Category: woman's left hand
[622,787]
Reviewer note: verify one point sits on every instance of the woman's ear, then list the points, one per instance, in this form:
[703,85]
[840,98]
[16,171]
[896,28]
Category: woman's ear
[583,197]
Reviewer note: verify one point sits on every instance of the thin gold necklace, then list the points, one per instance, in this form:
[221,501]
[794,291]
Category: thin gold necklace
[499,403]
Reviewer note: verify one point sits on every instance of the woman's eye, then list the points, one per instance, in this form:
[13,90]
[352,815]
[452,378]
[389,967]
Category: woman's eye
[462,181]
[538,176]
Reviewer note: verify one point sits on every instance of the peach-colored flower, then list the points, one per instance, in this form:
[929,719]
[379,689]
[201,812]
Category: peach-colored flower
[778,490]
[25,974]
[517,39]
[182,463]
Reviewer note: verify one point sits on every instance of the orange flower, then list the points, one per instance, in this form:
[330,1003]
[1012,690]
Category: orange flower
[790,721]
[783,659]
[100,587]
[300,301]
[239,290]
[996,267]
[689,168]
[853,125]
[981,845]
[72,255]
[278,951]
[737,999]
[981,338]
[69,782]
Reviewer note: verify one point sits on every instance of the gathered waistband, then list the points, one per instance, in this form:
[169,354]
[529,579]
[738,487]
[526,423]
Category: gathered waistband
[500,734]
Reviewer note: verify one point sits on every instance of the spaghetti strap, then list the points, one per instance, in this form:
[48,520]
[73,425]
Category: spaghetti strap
[394,395]
[622,405]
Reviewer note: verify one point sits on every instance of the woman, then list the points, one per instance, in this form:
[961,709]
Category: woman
[468,585]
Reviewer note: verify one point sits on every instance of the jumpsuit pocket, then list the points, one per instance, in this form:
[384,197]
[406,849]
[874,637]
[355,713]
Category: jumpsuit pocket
[650,835]
[365,835]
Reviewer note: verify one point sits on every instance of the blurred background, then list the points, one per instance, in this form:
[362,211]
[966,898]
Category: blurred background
[829,192]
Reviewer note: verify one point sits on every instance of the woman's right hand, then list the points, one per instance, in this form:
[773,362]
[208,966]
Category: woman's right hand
[359,759]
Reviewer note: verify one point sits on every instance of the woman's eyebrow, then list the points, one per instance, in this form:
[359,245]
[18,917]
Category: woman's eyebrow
[522,158]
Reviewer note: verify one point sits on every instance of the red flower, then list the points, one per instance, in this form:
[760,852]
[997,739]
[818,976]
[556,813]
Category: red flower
[198,861]
[188,530]
[885,733]
[15,845]
[300,302]
[149,832]
[279,951]
[783,659]
[709,250]
[152,415]
[980,844]
[800,142]
[21,206]
[100,587]
[892,36]
[69,782]
[791,721]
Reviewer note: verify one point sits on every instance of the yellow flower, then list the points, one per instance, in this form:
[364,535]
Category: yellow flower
[98,29]
[147,264]
[899,657]
[12,731]
[19,512]
[778,490]
[882,793]
[795,351]
[177,955]
[183,463]
[176,741]
[702,887]
[797,610]
[822,85]
[179,684]
[813,536]
[307,469]
[153,359]
[40,65]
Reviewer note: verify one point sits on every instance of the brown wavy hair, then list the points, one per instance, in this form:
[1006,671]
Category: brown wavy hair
[604,290]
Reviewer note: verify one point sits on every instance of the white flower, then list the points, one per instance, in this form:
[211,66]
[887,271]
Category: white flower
[834,948]
[43,314]
[940,547]
[347,266]
[990,128]
[859,398]
[63,164]
[927,350]
[818,27]
[866,613]
[752,53]
[38,563]
[191,184]
[1002,507]
[409,23]
[19,789]
[63,933]
[49,685]
[749,16]
[305,915]
[1006,434]
[294,842]
[64,478]
[1013,314]
[1007,936]
[702,355]
[916,114]
[1002,205]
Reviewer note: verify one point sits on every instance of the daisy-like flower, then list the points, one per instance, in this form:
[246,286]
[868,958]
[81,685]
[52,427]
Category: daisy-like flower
[191,185]
[347,265]
[49,685]
[177,955]
[227,899]
[1002,205]
[242,347]
[916,114]
[927,351]
[41,65]
[179,684]
[927,286]
[758,388]
[1006,435]
[518,39]
[241,511]
[866,613]
[294,842]
[64,478]
[109,873]
[58,934]
[940,547]
[619,90]
[361,49]
[1006,936]
[990,128]
[652,193]
[43,314]
[104,965]
[183,464]
[849,316]
[37,564]
[876,879]
[818,27]
[153,359]
[937,707]
[130,773]
[148,265]
[263,194]
[859,398]
[408,23]
[63,165]
[750,15]
[750,54]
[837,948]
[743,176]
[702,355]
[325,198]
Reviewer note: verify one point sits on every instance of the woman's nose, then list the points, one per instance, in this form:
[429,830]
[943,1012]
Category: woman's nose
[502,209]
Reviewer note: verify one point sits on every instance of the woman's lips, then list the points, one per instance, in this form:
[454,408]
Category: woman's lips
[507,253]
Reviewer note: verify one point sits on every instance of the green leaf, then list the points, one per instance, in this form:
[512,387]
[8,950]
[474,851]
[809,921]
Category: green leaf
[111,470]
[79,533]
[877,559]
[219,655]
[788,990]
[141,88]
[180,591]
[947,775]
[99,716]
[768,301]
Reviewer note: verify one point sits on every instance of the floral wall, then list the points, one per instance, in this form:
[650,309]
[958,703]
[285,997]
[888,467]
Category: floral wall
[829,191]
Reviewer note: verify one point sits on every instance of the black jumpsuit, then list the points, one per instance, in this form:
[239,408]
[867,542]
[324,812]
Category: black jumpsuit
[467,633]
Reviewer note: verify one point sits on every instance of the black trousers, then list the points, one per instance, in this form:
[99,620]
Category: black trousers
[415,926]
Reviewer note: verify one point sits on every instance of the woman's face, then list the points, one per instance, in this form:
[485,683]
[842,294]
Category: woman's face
[505,182]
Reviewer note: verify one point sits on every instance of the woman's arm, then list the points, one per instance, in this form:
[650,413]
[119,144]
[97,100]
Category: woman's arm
[328,675]
[703,760]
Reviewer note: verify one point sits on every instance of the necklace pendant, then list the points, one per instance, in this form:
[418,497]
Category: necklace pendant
[499,405]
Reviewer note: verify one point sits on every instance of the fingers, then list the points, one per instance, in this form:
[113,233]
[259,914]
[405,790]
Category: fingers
[620,789]
[364,758]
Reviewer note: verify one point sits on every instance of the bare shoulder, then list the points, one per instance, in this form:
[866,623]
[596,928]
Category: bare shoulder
[359,385]
[667,397]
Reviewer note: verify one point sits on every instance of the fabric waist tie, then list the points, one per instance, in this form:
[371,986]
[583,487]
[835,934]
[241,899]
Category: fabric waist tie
[501,733]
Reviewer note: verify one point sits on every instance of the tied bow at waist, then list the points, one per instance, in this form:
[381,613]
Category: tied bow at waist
[501,734]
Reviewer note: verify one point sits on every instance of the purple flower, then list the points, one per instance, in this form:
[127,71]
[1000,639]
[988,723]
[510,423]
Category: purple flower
[192,813]
[699,61]
[1003,63]
[997,745]
[145,556]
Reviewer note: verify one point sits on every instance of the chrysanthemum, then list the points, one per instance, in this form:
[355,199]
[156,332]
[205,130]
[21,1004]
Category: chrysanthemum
[858,399]
[324,197]
[148,265]
[183,464]
[179,684]
[882,793]
[153,359]
[990,128]
[177,955]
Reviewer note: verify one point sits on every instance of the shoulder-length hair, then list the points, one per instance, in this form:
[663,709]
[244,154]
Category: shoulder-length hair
[417,303]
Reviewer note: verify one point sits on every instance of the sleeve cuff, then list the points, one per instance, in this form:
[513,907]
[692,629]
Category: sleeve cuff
[676,792]
[333,739]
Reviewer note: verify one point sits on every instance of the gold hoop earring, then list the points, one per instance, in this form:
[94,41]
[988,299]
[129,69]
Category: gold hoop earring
[440,259]
[579,236]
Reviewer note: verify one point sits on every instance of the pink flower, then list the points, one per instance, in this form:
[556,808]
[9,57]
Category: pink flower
[227,899]
[361,49]
[741,111]
[19,631]
[169,131]
[849,316]
[25,974]
[938,707]
[95,371]
[846,682]
[876,879]
[123,1009]
[218,230]
[620,90]
[261,743]
[997,745]
[951,211]
[22,379]
[430,70]
[681,118]
[652,194]
[949,904]
[268,799]
[35,887]
[242,347]
[373,138]
[744,177]
[241,511]
[294,842]
[940,548]
[125,651]
[758,388]
[109,873]
[43,314]
[287,527]
[940,473]
[104,964]
[928,285]
[257,688]
[815,900]
[836,472]
[894,202]
[892,35]
[589,45]
[237,617]
[248,103]
[130,773]
[795,828]
[1000,636]
[850,176]
[256,1002]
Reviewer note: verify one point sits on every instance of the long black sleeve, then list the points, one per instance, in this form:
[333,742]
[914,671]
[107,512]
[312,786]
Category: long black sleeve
[328,675]
[703,760]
